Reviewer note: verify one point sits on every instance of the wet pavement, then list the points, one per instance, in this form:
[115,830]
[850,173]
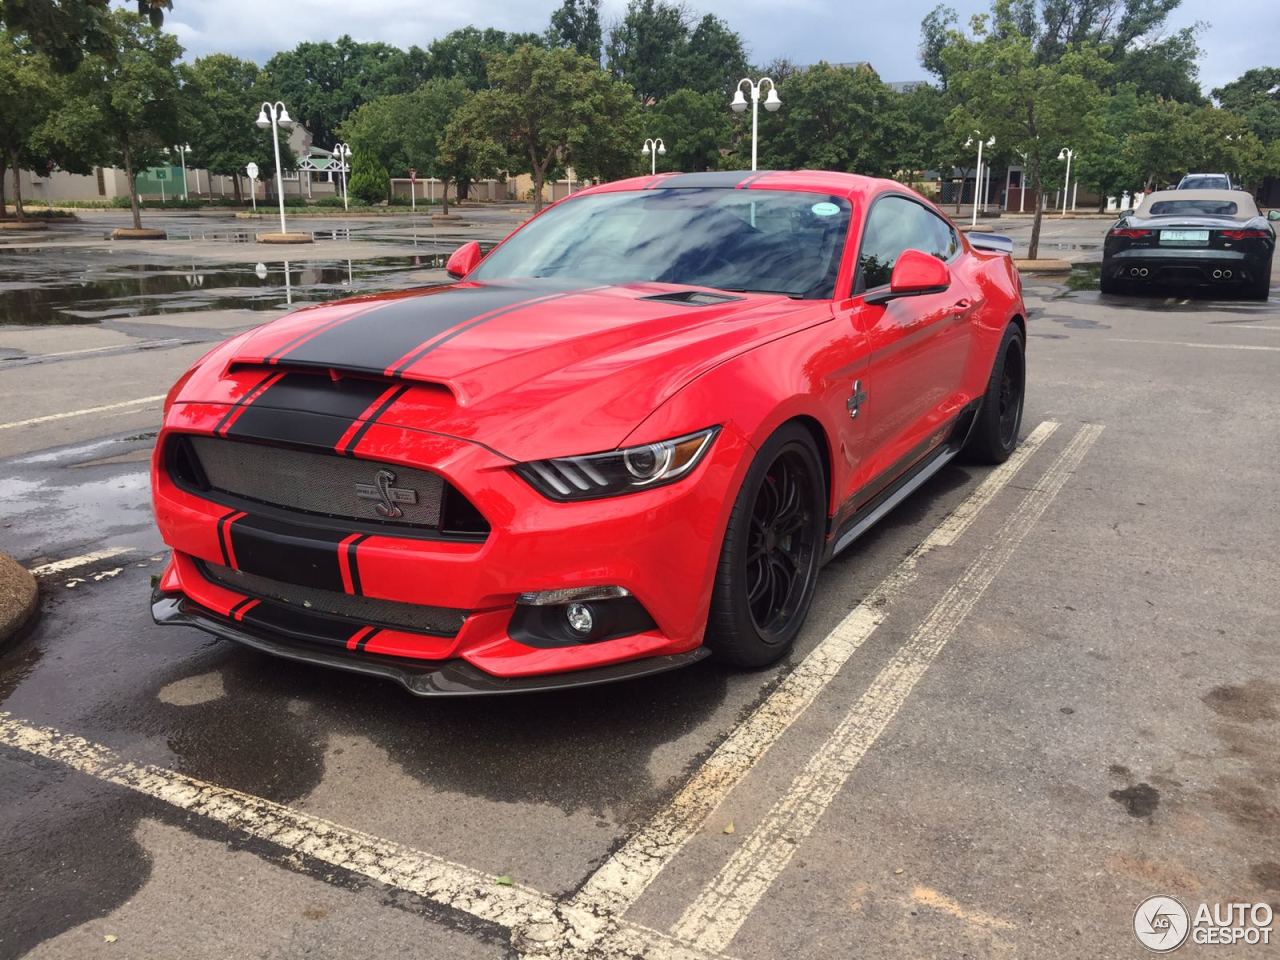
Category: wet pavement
[1101,725]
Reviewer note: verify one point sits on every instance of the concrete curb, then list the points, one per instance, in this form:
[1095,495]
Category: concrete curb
[1043,266]
[23,225]
[285,238]
[146,233]
[18,597]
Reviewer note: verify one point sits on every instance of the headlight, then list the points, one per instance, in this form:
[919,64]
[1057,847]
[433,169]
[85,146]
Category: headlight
[618,471]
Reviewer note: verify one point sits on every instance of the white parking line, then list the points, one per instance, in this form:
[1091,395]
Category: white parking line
[137,345]
[715,917]
[539,925]
[628,872]
[1202,346]
[81,413]
[58,566]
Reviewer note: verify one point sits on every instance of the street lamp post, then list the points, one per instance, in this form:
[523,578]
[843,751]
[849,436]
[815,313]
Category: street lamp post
[274,115]
[343,153]
[651,149]
[1066,154]
[771,103]
[977,184]
[182,155]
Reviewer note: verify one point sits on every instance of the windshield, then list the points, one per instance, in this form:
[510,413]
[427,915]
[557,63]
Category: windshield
[1204,183]
[766,241]
[1195,208]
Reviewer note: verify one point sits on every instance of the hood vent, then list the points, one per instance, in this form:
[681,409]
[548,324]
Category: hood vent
[693,298]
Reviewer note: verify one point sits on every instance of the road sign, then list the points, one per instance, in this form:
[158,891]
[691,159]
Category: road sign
[252,171]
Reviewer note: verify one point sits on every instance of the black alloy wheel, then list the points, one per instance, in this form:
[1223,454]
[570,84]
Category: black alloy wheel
[772,550]
[995,433]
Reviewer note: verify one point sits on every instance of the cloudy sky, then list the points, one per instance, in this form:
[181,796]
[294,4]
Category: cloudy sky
[1238,34]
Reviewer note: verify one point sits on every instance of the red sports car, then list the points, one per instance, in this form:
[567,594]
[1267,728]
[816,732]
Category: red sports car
[625,439]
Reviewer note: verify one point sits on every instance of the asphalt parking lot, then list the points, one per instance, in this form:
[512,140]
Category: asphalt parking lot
[1033,697]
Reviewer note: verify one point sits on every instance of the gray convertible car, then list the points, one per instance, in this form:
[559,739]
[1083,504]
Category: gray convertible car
[1192,238]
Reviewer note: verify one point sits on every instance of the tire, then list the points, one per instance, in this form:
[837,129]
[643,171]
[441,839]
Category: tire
[1260,289]
[995,434]
[755,615]
[1110,285]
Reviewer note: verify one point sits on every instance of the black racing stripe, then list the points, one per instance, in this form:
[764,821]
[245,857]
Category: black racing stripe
[246,397]
[283,551]
[354,566]
[364,641]
[750,180]
[279,618]
[372,419]
[724,180]
[307,409]
[222,537]
[375,339]
[239,606]
[426,348]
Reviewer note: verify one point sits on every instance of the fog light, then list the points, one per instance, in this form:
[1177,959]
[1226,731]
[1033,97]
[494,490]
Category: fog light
[580,618]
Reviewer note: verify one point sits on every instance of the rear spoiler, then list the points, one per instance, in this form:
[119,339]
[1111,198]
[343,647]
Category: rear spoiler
[991,243]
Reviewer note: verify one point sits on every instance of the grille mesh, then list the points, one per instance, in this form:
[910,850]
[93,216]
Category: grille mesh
[440,621]
[314,482]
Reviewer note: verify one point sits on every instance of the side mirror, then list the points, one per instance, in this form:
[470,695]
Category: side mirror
[463,260]
[1273,214]
[915,274]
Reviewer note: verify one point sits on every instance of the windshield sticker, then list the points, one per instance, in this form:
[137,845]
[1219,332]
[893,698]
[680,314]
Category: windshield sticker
[825,209]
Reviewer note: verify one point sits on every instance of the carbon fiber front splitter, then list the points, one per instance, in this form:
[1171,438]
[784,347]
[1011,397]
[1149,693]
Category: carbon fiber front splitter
[450,678]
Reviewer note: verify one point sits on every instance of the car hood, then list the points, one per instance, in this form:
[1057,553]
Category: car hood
[529,368]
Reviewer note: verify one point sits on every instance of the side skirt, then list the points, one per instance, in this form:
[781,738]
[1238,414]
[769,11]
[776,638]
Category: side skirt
[908,483]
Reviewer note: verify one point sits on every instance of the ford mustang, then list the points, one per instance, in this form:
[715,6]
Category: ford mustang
[625,439]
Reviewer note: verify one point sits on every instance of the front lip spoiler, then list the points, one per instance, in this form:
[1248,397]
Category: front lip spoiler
[450,678]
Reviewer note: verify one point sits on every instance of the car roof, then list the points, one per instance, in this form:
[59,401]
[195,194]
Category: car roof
[850,185]
[1245,207]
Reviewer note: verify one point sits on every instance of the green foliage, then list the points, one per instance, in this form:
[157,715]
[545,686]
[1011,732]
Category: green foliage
[552,107]
[695,127]
[323,83]
[1255,98]
[659,50]
[370,182]
[576,25]
[65,30]
[465,53]
[833,118]
[218,99]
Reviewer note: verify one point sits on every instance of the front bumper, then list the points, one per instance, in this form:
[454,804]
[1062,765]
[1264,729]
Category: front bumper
[448,679]
[662,545]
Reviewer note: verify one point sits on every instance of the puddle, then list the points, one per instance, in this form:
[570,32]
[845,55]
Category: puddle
[28,295]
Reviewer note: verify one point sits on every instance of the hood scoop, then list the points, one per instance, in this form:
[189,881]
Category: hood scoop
[693,298]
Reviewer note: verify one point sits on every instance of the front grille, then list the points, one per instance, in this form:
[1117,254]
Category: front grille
[322,485]
[362,611]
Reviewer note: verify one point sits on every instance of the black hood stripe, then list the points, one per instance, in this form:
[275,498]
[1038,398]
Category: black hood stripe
[408,360]
[373,341]
[307,409]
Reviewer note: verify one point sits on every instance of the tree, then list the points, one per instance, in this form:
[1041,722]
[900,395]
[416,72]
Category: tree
[29,100]
[647,47]
[918,137]
[124,107]
[1255,98]
[694,127]
[834,118]
[714,59]
[465,53]
[219,96]
[547,107]
[576,25]
[65,30]
[1027,105]
[323,83]
[370,182]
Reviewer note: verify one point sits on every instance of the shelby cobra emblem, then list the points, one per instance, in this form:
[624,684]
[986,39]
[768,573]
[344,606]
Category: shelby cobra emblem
[389,498]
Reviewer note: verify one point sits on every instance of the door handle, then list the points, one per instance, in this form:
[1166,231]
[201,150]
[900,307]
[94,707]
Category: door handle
[962,304]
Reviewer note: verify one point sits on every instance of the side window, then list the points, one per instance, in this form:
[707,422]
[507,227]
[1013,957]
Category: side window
[898,224]
[891,228]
